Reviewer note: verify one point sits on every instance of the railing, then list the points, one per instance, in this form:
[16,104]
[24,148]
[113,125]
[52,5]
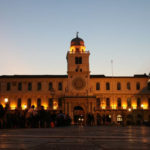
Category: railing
[85,52]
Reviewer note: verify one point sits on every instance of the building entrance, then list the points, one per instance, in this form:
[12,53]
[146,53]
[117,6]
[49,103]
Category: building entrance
[79,115]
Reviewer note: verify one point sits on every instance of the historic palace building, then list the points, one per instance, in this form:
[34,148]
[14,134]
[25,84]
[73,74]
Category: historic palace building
[108,98]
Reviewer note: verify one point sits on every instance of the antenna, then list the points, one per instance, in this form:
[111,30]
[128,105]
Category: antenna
[77,34]
[112,68]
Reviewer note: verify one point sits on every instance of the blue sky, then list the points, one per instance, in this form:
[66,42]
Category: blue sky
[35,35]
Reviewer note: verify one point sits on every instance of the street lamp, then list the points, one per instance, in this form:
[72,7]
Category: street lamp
[55,105]
[6,100]
[142,106]
[129,109]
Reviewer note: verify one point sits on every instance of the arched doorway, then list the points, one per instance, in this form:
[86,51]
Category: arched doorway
[78,114]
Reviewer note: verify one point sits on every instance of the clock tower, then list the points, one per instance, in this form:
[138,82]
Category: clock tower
[78,67]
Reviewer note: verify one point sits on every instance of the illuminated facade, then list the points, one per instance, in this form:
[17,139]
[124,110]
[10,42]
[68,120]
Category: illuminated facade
[108,98]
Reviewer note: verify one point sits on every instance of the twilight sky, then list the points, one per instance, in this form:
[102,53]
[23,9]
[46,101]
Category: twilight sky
[35,35]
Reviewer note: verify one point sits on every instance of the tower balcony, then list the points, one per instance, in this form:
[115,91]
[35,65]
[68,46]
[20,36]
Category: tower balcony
[79,52]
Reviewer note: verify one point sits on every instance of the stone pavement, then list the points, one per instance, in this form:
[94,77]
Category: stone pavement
[80,138]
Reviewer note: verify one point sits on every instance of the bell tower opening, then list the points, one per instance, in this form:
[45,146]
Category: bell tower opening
[78,57]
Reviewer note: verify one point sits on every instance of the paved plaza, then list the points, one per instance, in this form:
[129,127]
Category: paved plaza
[72,138]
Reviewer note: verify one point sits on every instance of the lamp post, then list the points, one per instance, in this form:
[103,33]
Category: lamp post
[6,101]
[112,92]
[52,92]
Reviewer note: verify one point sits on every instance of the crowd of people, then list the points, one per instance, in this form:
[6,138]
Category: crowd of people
[32,118]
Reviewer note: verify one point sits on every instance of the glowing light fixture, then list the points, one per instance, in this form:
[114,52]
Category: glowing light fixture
[103,107]
[55,105]
[24,106]
[129,109]
[134,106]
[124,106]
[6,100]
[13,107]
[113,106]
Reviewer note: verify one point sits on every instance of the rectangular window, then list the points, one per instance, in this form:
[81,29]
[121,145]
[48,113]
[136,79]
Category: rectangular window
[39,86]
[29,86]
[138,86]
[50,103]
[98,102]
[8,88]
[50,86]
[19,103]
[107,102]
[118,86]
[128,86]
[59,86]
[107,86]
[19,86]
[97,86]
[78,60]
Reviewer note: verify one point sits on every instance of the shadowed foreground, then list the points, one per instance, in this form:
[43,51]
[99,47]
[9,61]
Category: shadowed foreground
[84,138]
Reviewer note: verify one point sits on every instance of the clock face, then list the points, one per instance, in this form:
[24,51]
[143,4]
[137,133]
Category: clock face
[78,83]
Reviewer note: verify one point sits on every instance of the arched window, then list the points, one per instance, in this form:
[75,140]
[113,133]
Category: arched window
[118,86]
[29,103]
[60,102]
[119,102]
[59,86]
[98,102]
[50,103]
[50,86]
[8,88]
[19,103]
[107,86]
[97,86]
[129,102]
[128,86]
[107,102]
[29,86]
[38,102]
[39,86]
[19,86]
[138,85]
[138,102]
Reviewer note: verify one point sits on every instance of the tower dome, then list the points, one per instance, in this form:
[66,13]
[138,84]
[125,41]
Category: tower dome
[77,44]
[77,41]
